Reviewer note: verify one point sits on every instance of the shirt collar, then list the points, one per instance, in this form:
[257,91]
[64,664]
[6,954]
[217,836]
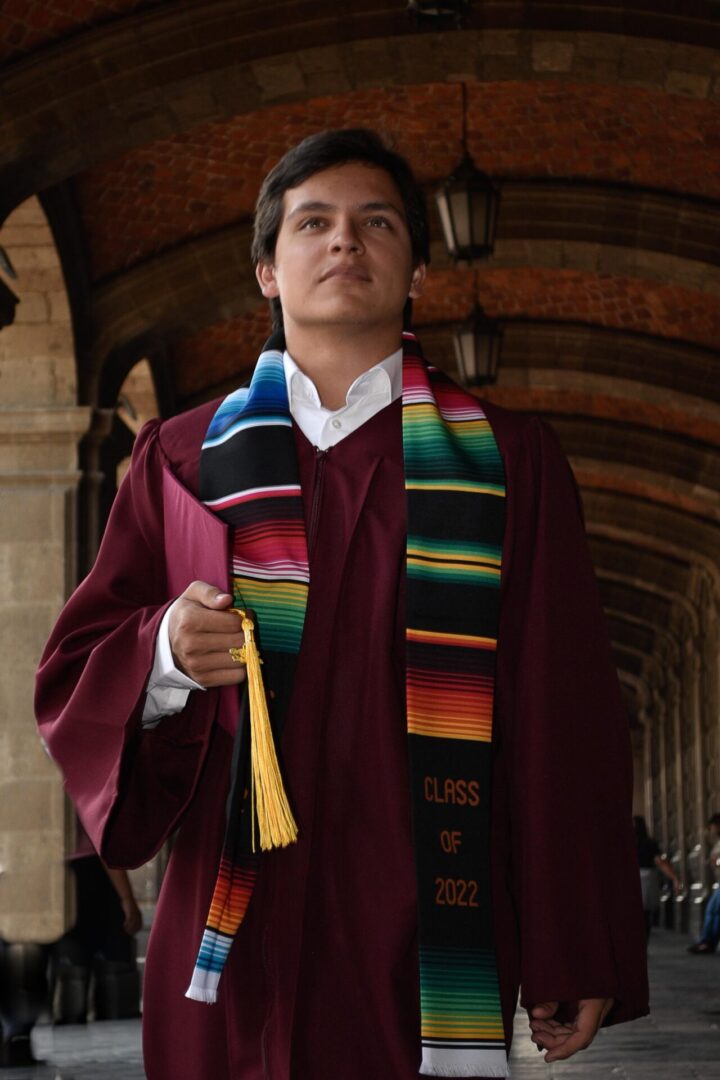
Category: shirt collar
[382,378]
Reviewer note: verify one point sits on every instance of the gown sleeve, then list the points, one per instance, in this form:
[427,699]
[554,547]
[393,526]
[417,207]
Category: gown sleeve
[566,742]
[129,785]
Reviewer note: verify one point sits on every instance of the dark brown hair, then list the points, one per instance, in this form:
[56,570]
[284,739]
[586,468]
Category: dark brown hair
[326,150]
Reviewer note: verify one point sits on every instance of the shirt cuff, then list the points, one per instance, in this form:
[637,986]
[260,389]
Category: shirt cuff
[168,688]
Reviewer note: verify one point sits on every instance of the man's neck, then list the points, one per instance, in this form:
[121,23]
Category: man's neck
[334,359]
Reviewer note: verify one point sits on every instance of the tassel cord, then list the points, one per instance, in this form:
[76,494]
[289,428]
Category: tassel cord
[269,803]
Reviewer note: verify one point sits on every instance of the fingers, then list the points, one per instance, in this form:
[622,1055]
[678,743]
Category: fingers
[541,1022]
[203,628]
[133,924]
[208,596]
[549,1027]
[133,917]
[209,662]
[544,1010]
[563,1040]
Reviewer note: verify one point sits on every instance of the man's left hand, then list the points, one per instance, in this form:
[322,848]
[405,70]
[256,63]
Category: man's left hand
[563,1040]
[133,916]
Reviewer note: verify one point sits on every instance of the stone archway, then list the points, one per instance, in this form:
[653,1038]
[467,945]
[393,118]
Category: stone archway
[40,427]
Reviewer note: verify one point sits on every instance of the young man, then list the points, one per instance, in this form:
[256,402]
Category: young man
[451,739]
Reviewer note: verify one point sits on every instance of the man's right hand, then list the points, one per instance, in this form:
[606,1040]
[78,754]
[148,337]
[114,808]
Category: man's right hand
[202,629]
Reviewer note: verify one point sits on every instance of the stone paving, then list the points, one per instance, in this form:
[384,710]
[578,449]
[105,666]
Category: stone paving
[680,1040]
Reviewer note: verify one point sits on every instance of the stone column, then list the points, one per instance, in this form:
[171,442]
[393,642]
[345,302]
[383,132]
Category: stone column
[662,827]
[661,711]
[637,741]
[709,642]
[650,767]
[38,482]
[93,480]
[40,427]
[677,794]
[696,787]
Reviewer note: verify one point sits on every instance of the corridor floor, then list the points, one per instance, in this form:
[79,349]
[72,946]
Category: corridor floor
[680,1040]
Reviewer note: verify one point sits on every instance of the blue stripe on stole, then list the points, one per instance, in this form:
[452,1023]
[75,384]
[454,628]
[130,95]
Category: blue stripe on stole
[213,952]
[244,422]
[266,397]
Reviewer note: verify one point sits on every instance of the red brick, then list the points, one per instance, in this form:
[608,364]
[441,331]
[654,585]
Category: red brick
[220,352]
[516,129]
[559,295]
[29,24]
[227,350]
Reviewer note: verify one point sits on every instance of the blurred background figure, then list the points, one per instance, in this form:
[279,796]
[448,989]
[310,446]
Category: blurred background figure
[94,963]
[651,861]
[708,941]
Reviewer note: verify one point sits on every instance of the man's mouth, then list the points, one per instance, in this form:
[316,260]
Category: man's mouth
[349,273]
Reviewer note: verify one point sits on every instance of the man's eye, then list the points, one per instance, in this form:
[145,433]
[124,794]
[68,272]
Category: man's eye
[312,223]
[379,222]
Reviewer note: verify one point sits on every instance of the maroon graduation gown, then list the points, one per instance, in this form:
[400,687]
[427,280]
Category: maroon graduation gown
[322,979]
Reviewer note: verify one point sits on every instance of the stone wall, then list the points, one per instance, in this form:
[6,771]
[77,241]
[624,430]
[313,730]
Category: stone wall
[40,426]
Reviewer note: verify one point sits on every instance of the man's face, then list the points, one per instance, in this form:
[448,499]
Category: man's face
[343,254]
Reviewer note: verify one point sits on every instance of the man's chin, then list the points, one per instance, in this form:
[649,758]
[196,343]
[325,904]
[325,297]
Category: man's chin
[343,315]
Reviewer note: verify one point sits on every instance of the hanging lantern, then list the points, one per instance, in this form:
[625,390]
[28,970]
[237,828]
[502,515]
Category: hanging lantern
[468,205]
[477,342]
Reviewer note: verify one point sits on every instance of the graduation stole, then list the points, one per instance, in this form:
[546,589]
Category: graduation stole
[454,483]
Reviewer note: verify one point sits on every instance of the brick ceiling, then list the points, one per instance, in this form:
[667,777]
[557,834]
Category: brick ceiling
[27,25]
[147,127]
[160,194]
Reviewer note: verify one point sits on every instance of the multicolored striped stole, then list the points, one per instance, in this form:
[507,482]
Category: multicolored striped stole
[454,480]
[249,477]
[456,512]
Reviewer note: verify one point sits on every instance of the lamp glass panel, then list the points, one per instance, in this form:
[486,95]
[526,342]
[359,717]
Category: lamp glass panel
[445,221]
[460,214]
[480,200]
[467,347]
[484,343]
[477,344]
[457,344]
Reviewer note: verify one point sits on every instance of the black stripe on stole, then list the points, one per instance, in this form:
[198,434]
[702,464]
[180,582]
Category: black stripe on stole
[254,457]
[450,783]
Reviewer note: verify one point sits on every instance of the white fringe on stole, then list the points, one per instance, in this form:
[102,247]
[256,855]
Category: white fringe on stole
[203,986]
[443,1061]
[209,997]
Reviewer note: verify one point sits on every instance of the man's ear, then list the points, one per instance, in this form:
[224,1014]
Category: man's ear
[265,273]
[417,281]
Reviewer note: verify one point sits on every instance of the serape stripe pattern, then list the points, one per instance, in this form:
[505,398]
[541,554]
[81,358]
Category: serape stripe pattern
[227,910]
[459,997]
[466,1007]
[452,563]
[230,901]
[249,478]
[231,896]
[456,498]
[251,446]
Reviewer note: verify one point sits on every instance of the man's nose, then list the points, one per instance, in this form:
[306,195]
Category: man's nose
[347,237]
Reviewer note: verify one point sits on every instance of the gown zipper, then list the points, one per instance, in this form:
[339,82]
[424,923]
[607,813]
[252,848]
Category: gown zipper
[320,459]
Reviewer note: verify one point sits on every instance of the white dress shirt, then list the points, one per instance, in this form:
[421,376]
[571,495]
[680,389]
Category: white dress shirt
[370,393]
[168,687]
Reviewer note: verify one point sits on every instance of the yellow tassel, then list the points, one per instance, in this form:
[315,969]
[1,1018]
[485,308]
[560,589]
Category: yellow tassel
[268,799]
